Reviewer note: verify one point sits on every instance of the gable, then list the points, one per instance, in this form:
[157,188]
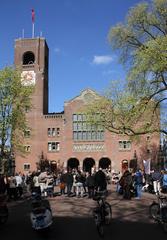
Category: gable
[87,96]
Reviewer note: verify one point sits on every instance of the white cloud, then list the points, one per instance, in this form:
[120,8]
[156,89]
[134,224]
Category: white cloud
[104,59]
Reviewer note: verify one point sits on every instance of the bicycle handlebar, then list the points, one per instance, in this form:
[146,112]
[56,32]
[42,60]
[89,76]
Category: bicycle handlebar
[100,195]
[103,192]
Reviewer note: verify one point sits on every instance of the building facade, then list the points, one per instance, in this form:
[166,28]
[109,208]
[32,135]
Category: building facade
[64,138]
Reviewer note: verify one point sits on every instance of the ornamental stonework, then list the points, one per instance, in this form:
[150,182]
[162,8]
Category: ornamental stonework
[88,147]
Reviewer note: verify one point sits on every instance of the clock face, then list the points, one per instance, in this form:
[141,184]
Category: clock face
[28,78]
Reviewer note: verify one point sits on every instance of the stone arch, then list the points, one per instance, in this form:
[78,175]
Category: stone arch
[105,163]
[28,58]
[88,163]
[72,163]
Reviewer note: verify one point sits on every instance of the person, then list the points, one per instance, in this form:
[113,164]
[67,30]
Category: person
[74,173]
[36,185]
[3,187]
[138,183]
[19,184]
[100,180]
[28,181]
[49,184]
[62,183]
[156,178]
[164,181]
[79,184]
[12,188]
[126,184]
[69,181]
[119,184]
[42,182]
[90,183]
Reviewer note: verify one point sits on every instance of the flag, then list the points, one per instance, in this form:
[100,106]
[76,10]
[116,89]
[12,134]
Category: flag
[33,15]
[146,164]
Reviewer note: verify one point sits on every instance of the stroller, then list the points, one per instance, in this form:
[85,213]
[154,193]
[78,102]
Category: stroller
[41,213]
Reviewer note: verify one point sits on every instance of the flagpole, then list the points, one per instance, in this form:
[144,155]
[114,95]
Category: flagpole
[33,25]
[23,33]
[33,29]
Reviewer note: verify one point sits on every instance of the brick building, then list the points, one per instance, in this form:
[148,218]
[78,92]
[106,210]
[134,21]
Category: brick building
[64,138]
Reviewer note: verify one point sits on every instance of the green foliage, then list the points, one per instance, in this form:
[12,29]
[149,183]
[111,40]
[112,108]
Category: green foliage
[124,113]
[15,98]
[141,43]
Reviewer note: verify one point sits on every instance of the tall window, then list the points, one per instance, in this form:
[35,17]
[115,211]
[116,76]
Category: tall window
[84,131]
[52,132]
[27,133]
[58,131]
[26,166]
[124,145]
[27,148]
[53,146]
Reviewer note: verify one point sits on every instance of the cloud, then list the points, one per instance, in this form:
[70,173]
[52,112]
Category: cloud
[103,59]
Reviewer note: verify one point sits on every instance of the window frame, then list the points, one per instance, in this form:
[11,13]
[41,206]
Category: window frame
[125,144]
[84,131]
[53,146]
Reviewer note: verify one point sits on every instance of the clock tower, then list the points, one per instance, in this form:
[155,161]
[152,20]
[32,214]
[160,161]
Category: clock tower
[31,56]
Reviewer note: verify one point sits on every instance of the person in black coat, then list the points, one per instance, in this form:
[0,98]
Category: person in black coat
[69,181]
[100,180]
[90,183]
[126,180]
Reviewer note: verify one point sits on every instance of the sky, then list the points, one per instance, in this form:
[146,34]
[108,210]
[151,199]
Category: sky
[76,32]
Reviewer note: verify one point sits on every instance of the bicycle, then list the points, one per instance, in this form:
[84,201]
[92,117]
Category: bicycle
[102,213]
[158,210]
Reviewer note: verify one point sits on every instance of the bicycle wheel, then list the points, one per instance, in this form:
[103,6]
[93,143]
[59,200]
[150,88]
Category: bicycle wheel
[165,227]
[4,215]
[108,213]
[100,229]
[98,223]
[154,211]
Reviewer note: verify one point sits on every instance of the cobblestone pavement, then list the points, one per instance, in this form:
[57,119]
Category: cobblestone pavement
[72,218]
[132,210]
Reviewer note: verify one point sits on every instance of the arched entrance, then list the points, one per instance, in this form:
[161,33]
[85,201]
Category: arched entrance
[72,163]
[105,163]
[88,163]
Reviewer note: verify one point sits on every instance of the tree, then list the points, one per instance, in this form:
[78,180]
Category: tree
[141,43]
[43,164]
[15,99]
[121,112]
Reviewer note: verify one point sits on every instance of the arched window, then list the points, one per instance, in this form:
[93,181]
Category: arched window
[88,164]
[73,163]
[105,163]
[28,58]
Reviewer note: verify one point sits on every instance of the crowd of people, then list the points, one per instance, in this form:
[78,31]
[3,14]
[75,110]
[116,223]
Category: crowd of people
[70,182]
[74,182]
[14,186]
[133,183]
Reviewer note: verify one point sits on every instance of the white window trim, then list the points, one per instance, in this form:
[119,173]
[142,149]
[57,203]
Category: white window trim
[125,149]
